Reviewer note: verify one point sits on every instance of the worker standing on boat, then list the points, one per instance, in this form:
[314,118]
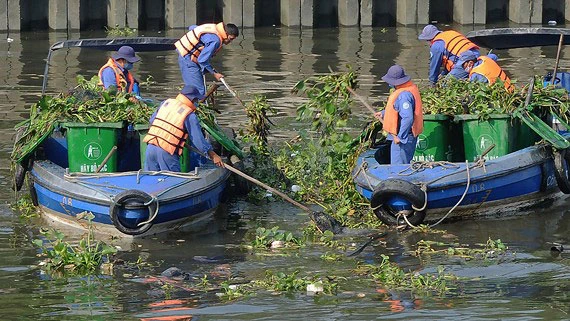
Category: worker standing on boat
[445,48]
[483,69]
[116,72]
[198,46]
[170,126]
[403,117]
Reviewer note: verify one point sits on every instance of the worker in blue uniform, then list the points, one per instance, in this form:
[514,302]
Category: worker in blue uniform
[171,125]
[403,116]
[459,72]
[117,71]
[483,69]
[445,48]
[198,46]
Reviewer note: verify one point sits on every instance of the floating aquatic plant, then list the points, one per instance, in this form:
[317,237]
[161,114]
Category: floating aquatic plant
[489,250]
[117,31]
[452,96]
[86,103]
[82,258]
[258,126]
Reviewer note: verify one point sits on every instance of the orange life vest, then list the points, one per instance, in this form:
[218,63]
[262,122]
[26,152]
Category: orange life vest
[167,128]
[391,115]
[455,43]
[119,76]
[190,43]
[491,70]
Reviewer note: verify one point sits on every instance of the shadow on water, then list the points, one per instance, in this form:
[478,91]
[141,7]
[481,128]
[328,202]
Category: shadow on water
[528,283]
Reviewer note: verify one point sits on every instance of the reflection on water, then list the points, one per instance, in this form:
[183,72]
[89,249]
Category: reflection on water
[270,61]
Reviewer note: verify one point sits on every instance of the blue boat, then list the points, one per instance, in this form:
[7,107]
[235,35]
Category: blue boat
[130,202]
[429,192]
[407,195]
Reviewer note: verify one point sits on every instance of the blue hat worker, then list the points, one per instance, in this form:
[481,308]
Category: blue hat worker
[117,71]
[170,126]
[403,116]
[483,69]
[445,48]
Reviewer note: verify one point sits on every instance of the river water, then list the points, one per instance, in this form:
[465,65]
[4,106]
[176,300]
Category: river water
[529,283]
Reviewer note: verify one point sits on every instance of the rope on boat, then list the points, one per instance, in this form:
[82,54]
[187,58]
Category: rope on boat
[76,176]
[420,166]
[479,163]
[424,189]
[363,166]
[153,216]
[462,196]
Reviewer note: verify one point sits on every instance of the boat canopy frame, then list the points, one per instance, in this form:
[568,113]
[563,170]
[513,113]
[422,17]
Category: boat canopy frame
[139,44]
[509,38]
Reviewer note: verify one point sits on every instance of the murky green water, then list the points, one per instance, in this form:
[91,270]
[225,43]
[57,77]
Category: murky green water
[527,284]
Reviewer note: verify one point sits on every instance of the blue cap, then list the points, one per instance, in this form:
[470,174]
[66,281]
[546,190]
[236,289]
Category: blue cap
[429,32]
[396,76]
[127,53]
[466,56]
[493,56]
[191,92]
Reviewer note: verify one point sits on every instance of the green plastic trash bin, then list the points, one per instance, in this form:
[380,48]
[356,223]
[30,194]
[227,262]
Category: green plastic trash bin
[525,136]
[433,143]
[478,135]
[456,142]
[89,144]
[142,129]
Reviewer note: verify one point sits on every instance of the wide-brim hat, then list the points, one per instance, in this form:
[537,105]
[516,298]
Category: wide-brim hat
[127,53]
[191,92]
[429,32]
[396,76]
[466,56]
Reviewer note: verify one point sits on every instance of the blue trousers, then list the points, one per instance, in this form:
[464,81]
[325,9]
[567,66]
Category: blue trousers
[403,153]
[157,159]
[191,73]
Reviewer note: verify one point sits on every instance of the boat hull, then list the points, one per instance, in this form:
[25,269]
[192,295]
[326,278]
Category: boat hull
[499,187]
[178,200]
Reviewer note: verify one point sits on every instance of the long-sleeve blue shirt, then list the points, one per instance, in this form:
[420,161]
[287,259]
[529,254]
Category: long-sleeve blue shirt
[404,105]
[211,44]
[194,129]
[437,52]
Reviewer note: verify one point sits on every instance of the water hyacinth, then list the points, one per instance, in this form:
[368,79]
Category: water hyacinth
[453,97]
[83,258]
[86,103]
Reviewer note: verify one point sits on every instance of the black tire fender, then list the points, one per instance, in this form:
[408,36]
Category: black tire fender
[34,195]
[404,189]
[132,198]
[19,177]
[561,162]
[20,173]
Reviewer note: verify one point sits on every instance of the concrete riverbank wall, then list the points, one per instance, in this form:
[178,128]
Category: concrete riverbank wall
[168,14]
